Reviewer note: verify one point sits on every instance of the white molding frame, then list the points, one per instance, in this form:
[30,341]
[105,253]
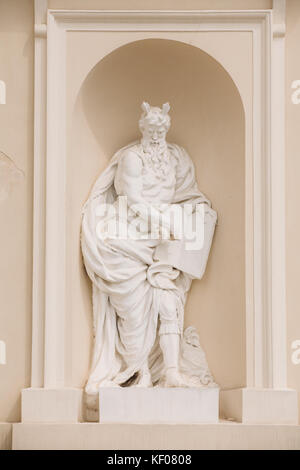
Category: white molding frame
[39,195]
[265,246]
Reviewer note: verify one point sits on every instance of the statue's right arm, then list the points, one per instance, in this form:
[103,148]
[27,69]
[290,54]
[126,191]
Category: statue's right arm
[130,175]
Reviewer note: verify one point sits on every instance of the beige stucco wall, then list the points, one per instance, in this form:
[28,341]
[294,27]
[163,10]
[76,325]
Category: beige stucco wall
[16,139]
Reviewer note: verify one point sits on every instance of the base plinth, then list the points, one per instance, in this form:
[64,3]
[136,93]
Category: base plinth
[159,405]
[260,406]
[40,405]
[222,436]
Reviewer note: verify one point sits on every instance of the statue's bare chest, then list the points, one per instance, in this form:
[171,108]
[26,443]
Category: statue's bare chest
[158,178]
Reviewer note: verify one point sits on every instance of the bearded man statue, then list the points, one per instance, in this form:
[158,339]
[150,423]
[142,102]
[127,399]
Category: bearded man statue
[140,282]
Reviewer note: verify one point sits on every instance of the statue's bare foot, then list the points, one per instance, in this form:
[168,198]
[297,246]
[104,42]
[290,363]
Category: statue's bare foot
[173,378]
[110,384]
[144,380]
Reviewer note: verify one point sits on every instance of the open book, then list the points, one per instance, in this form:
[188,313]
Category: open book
[188,254]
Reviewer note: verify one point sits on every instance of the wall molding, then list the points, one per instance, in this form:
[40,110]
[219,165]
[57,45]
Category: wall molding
[39,194]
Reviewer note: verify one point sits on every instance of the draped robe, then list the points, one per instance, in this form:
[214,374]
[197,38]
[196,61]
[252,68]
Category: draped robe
[130,288]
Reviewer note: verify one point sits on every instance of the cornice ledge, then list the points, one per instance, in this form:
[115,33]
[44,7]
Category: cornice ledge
[278,16]
[279,30]
[158,15]
[40,30]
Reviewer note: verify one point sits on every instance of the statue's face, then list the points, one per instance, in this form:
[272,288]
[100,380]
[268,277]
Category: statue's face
[154,134]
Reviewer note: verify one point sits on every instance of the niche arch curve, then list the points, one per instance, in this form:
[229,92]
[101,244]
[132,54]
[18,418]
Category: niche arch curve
[208,120]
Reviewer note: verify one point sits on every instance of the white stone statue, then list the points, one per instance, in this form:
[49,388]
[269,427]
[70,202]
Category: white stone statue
[142,272]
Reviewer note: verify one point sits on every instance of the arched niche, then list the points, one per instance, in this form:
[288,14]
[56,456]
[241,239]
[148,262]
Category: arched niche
[208,120]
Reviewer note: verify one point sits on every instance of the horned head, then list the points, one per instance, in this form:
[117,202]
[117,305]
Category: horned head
[155,116]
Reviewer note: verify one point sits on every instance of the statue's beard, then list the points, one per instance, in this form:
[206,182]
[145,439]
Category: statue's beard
[156,157]
[155,150]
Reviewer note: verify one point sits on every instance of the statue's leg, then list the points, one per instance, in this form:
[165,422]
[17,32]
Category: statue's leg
[169,334]
[169,344]
[144,379]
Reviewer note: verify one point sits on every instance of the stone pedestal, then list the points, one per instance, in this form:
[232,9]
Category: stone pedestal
[40,405]
[260,406]
[159,405]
